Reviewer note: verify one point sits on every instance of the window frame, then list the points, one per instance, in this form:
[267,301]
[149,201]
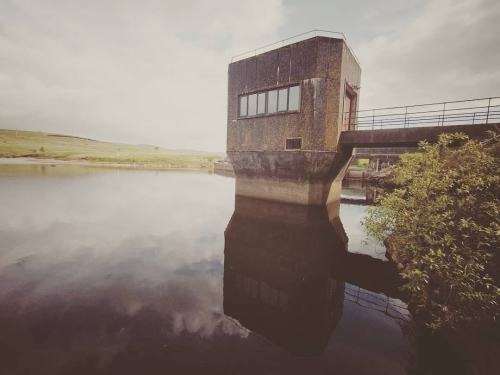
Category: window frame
[266,104]
[275,104]
[299,99]
[246,105]
[286,104]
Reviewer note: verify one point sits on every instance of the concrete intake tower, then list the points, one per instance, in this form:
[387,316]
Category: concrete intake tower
[286,110]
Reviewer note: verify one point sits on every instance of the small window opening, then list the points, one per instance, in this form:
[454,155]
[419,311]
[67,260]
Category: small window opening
[293,143]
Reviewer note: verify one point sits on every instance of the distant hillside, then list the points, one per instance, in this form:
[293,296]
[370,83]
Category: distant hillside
[15,143]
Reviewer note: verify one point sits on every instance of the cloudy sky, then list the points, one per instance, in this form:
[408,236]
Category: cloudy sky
[155,71]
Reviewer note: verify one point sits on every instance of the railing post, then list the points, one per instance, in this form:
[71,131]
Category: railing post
[444,110]
[373,119]
[488,113]
[473,118]
[406,114]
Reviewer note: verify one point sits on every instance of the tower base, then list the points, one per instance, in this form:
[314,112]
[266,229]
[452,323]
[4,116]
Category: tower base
[299,177]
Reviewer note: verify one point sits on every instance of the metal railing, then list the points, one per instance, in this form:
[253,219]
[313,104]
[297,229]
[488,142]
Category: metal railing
[459,112]
[293,39]
[392,307]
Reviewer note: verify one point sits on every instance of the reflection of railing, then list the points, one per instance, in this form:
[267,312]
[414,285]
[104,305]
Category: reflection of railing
[460,112]
[293,39]
[378,302]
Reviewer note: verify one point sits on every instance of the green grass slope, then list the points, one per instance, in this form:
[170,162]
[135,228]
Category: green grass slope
[15,143]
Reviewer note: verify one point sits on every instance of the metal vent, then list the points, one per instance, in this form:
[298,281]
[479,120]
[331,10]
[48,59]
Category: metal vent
[293,143]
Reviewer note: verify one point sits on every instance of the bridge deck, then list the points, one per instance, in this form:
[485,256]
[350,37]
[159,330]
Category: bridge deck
[404,137]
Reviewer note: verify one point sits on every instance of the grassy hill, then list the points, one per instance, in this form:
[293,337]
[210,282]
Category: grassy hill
[15,143]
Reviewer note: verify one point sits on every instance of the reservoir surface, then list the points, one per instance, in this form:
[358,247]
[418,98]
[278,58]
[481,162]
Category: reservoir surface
[115,271]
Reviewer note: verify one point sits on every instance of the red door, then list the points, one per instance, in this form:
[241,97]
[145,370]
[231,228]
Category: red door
[347,111]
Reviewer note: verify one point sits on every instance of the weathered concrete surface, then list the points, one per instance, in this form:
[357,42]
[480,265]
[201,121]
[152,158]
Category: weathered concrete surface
[322,66]
[285,165]
[407,136]
[300,177]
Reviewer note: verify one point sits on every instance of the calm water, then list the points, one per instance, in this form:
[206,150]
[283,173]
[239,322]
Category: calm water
[140,272]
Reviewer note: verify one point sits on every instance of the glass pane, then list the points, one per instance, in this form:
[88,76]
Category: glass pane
[261,103]
[252,105]
[243,105]
[294,98]
[282,99]
[272,101]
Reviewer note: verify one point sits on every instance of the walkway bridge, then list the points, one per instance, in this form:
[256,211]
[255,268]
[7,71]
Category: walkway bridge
[407,126]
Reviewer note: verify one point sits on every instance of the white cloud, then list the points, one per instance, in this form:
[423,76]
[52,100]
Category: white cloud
[448,50]
[142,72]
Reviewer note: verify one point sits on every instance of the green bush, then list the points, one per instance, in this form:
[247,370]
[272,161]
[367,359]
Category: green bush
[442,222]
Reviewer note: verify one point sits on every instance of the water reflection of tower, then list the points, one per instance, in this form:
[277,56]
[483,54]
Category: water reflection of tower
[280,272]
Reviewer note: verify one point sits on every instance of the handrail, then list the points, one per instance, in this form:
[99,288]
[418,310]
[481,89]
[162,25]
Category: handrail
[435,110]
[300,37]
[425,104]
[474,111]
[377,302]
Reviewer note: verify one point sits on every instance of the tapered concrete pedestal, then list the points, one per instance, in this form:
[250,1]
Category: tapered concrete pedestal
[299,177]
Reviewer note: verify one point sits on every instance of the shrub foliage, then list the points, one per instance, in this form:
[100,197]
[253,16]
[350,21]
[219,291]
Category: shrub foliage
[442,223]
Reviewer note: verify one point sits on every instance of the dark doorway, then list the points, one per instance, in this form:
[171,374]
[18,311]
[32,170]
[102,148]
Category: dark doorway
[349,108]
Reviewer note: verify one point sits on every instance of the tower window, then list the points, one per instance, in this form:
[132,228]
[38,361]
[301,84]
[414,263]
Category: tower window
[243,105]
[294,98]
[252,105]
[282,100]
[272,101]
[286,99]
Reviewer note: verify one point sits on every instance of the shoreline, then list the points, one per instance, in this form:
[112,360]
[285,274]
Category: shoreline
[23,160]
